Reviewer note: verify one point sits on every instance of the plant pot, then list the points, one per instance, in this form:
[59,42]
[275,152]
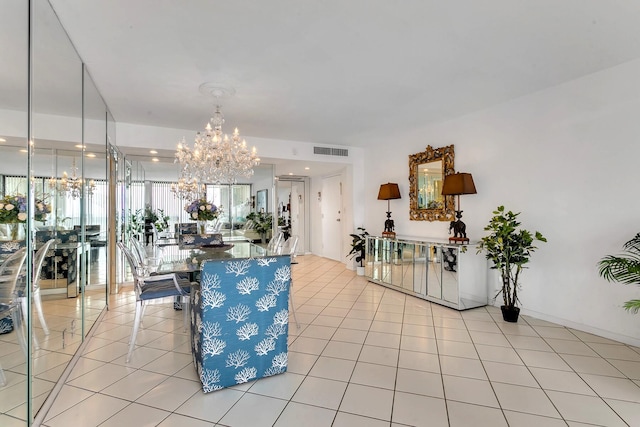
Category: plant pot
[510,314]
[360,271]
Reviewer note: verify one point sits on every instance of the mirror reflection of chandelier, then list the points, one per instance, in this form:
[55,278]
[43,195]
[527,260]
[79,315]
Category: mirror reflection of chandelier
[187,189]
[215,157]
[71,186]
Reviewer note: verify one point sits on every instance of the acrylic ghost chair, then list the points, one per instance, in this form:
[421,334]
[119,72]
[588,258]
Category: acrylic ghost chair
[11,271]
[154,287]
[35,293]
[142,255]
[289,247]
[275,243]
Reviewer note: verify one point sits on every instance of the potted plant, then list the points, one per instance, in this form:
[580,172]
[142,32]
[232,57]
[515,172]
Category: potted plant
[624,268]
[358,249]
[263,223]
[509,248]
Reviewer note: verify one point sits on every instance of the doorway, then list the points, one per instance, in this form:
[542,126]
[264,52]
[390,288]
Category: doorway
[292,208]
[331,214]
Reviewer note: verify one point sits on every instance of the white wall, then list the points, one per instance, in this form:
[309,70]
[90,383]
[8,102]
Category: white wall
[567,158]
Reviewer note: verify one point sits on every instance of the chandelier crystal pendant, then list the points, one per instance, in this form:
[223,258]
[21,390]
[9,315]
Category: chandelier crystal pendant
[71,186]
[215,157]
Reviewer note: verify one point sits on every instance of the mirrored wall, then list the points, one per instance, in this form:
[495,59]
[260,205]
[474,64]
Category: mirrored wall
[54,128]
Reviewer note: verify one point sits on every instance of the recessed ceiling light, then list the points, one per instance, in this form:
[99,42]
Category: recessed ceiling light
[80,146]
[23,150]
[307,168]
[290,173]
[3,140]
[153,152]
[91,155]
[155,159]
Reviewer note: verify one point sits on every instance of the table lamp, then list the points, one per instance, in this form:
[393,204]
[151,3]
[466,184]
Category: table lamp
[455,185]
[389,191]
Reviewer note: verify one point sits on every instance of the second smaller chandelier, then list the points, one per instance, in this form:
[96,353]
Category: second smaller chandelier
[216,157]
[72,185]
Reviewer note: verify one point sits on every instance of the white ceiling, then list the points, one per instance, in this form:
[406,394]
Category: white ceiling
[338,71]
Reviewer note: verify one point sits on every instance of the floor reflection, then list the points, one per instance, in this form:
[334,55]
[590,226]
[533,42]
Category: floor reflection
[51,353]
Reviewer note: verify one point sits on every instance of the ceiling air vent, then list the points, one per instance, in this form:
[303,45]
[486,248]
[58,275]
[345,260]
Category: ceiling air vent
[343,152]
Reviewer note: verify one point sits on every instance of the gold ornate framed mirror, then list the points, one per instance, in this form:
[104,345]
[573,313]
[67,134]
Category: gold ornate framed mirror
[426,175]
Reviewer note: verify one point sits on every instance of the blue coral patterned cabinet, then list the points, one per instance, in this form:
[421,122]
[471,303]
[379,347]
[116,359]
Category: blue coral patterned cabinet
[240,320]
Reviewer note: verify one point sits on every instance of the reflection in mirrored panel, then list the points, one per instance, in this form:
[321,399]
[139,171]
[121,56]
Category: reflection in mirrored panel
[426,175]
[430,178]
[61,173]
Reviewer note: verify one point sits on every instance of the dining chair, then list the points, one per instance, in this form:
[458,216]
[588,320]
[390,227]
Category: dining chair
[289,247]
[146,261]
[11,273]
[275,242]
[151,288]
[38,261]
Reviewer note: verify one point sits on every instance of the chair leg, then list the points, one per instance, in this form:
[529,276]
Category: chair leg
[23,311]
[136,326]
[293,306]
[3,378]
[185,308]
[38,303]
[16,316]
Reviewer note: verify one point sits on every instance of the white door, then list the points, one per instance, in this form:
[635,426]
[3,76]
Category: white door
[331,209]
[297,214]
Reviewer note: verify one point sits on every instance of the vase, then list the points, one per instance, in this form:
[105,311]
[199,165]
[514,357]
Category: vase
[510,314]
[202,227]
[14,230]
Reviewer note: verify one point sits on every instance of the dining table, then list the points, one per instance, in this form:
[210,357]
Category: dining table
[176,259]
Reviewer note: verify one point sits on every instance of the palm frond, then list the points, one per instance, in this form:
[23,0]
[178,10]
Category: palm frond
[633,306]
[633,245]
[620,269]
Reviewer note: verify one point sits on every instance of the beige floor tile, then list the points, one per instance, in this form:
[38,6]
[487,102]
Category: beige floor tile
[379,355]
[138,415]
[522,419]
[255,411]
[510,374]
[320,392]
[524,399]
[332,368]
[570,382]
[344,419]
[469,390]
[462,367]
[415,410]
[420,382]
[367,401]
[587,409]
[342,350]
[464,415]
[374,375]
[299,414]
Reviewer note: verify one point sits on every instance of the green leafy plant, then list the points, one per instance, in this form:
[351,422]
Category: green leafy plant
[509,249]
[135,225]
[624,268]
[263,222]
[358,245]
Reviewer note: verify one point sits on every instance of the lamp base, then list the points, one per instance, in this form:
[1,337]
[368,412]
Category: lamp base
[459,240]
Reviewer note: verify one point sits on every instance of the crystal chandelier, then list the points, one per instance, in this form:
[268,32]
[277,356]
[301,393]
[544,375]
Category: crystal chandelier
[71,185]
[187,189]
[215,157]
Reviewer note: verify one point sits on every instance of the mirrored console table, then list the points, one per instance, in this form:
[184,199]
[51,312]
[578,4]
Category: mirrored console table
[434,270]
